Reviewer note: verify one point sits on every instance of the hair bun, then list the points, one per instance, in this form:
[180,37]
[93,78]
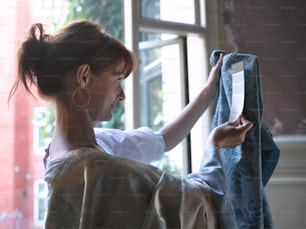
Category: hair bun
[35,49]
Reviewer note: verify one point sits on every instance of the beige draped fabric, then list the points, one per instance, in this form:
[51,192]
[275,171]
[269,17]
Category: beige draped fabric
[92,189]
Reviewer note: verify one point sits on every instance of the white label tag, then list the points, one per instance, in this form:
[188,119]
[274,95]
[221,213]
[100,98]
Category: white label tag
[237,90]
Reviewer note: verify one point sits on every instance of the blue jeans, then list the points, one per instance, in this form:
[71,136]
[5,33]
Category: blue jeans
[249,166]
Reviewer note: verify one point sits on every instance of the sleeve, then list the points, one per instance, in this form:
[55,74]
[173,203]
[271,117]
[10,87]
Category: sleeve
[140,144]
[211,176]
[178,203]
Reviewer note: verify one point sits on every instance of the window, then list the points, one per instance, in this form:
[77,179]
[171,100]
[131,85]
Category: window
[182,11]
[40,201]
[168,76]
[43,125]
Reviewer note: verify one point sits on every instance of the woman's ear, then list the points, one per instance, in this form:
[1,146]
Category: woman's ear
[82,75]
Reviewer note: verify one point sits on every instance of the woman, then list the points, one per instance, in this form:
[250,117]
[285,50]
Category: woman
[81,69]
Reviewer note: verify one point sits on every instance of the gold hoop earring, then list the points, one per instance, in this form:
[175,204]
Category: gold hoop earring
[74,101]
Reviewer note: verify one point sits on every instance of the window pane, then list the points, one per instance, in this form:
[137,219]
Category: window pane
[43,126]
[160,83]
[169,10]
[40,201]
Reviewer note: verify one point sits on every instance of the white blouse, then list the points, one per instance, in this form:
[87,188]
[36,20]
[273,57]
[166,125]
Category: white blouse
[140,144]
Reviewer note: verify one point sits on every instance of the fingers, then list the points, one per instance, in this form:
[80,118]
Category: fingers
[219,62]
[236,121]
[241,122]
[218,65]
[233,133]
[243,128]
[246,124]
[214,74]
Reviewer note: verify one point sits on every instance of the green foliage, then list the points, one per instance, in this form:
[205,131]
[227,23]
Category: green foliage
[45,120]
[165,164]
[106,12]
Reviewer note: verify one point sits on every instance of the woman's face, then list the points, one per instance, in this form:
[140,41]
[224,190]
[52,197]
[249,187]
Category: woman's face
[106,92]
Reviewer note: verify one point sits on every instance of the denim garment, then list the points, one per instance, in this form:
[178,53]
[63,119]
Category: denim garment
[249,166]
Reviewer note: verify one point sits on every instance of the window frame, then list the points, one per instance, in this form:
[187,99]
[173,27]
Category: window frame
[37,148]
[134,25]
[36,197]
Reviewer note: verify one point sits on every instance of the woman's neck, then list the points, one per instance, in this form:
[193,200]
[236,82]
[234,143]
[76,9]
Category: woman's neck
[73,130]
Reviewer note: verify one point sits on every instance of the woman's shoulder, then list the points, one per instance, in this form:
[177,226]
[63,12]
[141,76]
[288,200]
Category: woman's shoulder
[119,166]
[95,160]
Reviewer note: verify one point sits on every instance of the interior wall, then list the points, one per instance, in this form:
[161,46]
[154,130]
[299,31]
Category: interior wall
[275,31]
[286,189]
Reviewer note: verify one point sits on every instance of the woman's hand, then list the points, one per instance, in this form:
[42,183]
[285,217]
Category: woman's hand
[214,75]
[229,134]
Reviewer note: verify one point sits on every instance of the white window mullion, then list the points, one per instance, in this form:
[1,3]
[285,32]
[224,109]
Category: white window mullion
[156,44]
[153,25]
[197,12]
[132,89]
[199,6]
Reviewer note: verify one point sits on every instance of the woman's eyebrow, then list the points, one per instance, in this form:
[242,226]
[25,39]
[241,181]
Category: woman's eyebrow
[119,72]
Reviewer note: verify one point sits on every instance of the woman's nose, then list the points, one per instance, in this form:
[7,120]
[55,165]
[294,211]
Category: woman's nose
[121,94]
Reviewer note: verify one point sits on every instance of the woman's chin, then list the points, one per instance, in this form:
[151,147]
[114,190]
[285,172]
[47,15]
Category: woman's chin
[102,118]
[105,118]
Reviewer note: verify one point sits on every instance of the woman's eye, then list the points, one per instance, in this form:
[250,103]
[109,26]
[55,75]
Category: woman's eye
[120,80]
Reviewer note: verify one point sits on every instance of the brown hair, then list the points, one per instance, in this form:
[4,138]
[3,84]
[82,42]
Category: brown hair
[44,59]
